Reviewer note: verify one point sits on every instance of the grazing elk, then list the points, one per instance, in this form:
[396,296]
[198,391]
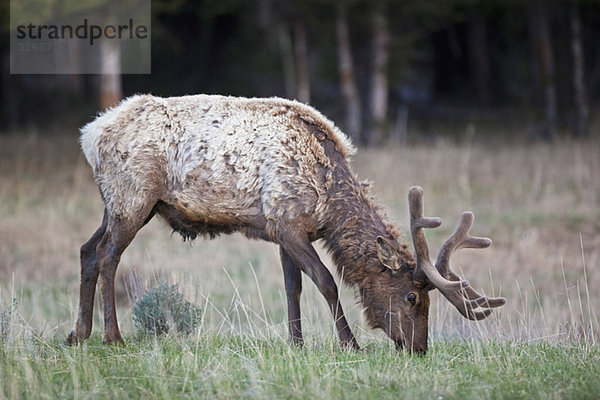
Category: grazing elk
[271,169]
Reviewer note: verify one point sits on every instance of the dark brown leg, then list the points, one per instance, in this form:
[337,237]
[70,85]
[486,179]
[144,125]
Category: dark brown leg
[302,254]
[109,255]
[87,288]
[293,289]
[118,236]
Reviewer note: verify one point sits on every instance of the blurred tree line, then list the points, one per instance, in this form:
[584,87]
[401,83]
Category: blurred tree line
[369,65]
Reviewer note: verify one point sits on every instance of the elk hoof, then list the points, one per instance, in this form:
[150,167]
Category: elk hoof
[73,339]
[113,340]
[350,345]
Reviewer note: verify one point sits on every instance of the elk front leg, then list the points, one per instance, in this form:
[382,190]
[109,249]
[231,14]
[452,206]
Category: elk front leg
[302,253]
[87,288]
[293,290]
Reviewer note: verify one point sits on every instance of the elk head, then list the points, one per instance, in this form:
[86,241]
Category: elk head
[406,318]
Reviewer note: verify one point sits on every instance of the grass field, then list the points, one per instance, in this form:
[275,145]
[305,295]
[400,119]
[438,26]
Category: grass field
[540,203]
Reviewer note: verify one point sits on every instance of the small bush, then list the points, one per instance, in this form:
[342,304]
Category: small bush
[6,313]
[163,308]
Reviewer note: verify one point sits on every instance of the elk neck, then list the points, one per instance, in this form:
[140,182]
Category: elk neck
[355,221]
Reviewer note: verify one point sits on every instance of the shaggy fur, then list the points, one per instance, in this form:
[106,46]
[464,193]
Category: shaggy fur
[216,159]
[272,169]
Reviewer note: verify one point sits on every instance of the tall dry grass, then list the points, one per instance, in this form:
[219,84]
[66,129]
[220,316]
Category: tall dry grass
[540,203]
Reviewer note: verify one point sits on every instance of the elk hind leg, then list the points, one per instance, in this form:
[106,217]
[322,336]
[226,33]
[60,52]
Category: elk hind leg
[118,236]
[87,288]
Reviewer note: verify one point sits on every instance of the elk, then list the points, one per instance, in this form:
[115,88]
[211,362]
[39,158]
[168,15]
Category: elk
[275,170]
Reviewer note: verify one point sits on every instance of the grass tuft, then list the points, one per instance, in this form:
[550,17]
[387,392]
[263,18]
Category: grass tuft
[6,319]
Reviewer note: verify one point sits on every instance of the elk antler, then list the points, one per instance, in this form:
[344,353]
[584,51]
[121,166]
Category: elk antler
[456,290]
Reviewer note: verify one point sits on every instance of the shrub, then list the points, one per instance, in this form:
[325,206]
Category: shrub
[163,308]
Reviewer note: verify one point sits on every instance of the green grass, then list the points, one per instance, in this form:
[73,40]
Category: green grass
[539,204]
[226,366]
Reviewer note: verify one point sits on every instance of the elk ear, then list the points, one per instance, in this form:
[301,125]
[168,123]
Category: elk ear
[386,253]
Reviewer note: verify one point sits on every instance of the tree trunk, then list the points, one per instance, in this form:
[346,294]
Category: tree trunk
[10,95]
[111,91]
[379,78]
[302,69]
[287,60]
[540,26]
[347,78]
[580,98]
[479,58]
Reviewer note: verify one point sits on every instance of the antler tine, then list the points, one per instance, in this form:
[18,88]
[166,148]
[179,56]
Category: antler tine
[417,222]
[460,239]
[472,294]
[467,306]
[425,270]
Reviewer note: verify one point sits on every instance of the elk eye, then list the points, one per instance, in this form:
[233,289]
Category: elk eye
[412,298]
